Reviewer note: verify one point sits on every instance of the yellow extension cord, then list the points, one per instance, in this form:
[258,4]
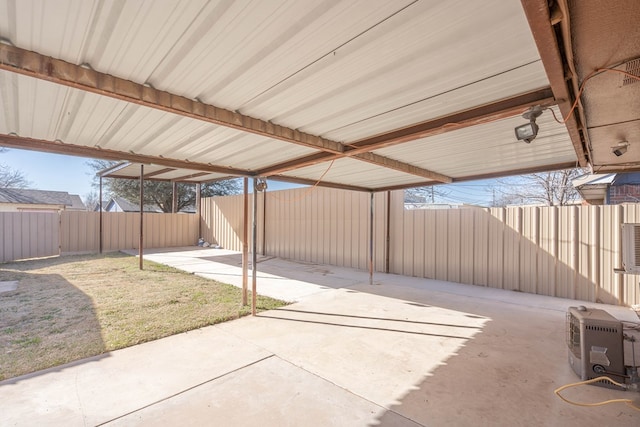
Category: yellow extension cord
[628,402]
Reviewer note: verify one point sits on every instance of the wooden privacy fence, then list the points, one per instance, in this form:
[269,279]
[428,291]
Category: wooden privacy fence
[29,235]
[568,252]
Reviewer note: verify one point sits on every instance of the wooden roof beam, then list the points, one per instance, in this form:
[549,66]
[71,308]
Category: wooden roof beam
[43,67]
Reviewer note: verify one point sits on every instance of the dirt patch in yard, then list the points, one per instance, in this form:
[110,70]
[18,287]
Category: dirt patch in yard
[69,308]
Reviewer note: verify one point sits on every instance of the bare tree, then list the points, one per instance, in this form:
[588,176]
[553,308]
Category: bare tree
[160,193]
[10,177]
[546,188]
[419,196]
[91,200]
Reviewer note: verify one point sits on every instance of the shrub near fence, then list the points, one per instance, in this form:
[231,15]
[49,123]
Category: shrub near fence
[568,252]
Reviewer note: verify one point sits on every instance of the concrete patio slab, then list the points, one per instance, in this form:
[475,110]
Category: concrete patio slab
[95,390]
[404,352]
[281,395]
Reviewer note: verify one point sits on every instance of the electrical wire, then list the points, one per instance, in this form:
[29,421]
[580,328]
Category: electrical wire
[594,73]
[628,402]
[308,190]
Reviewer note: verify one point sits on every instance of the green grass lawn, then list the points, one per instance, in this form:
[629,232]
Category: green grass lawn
[73,307]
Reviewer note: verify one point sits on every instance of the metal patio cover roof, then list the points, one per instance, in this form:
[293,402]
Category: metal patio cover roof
[365,94]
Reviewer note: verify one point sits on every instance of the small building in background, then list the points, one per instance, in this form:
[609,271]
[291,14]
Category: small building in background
[609,189]
[118,204]
[27,200]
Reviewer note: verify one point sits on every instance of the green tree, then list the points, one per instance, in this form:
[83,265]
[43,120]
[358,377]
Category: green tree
[160,193]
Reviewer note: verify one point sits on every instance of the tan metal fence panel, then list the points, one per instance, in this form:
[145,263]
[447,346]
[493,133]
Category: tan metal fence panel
[453,247]
[380,231]
[222,221]
[496,247]
[481,221]
[630,282]
[548,251]
[566,262]
[430,245]
[566,252]
[511,234]
[324,225]
[80,231]
[408,237]
[467,246]
[587,273]
[417,252]
[162,230]
[611,218]
[28,235]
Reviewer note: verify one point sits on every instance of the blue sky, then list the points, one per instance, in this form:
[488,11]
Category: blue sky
[56,172]
[53,172]
[72,174]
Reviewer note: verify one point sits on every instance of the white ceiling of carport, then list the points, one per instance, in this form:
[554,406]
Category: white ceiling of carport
[343,70]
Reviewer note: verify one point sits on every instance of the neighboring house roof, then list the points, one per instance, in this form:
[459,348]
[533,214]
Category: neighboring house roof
[77,203]
[40,197]
[626,178]
[127,206]
[594,179]
[594,186]
[96,206]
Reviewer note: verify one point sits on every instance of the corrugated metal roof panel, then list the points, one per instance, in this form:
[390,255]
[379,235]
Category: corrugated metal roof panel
[340,69]
[425,50]
[314,67]
[151,172]
[43,110]
[523,79]
[487,148]
[355,173]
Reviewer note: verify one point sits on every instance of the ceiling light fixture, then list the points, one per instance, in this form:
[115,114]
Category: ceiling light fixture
[529,131]
[620,149]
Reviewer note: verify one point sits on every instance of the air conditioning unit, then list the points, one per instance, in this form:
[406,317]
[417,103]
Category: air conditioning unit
[597,349]
[631,248]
